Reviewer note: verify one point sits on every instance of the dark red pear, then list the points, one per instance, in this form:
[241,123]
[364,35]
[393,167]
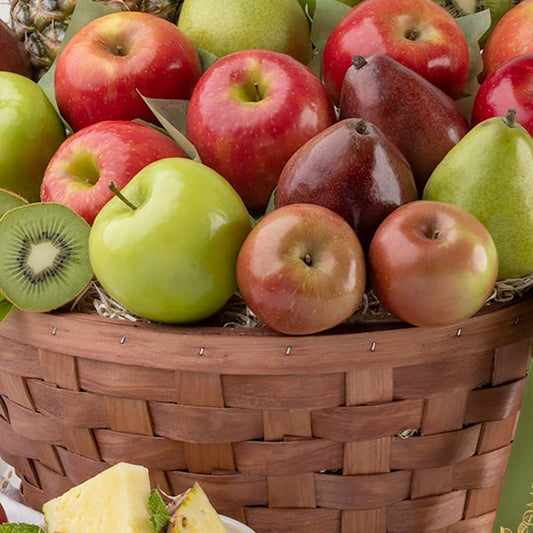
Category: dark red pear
[13,56]
[354,170]
[423,121]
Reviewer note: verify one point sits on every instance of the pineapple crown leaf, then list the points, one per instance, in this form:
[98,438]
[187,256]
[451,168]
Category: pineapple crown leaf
[158,508]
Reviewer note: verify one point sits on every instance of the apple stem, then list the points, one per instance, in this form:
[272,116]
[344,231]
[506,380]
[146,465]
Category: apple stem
[510,118]
[307,259]
[412,34]
[118,194]
[257,93]
[358,62]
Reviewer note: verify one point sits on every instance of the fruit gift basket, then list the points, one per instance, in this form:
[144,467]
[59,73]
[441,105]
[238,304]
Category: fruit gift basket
[311,368]
[376,428]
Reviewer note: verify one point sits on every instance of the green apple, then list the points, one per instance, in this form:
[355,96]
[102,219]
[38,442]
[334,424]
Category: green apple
[170,255]
[30,133]
[278,25]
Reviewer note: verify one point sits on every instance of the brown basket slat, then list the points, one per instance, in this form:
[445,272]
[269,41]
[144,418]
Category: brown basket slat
[495,403]
[482,501]
[362,491]
[153,452]
[481,471]
[497,434]
[444,413]
[278,425]
[478,524]
[368,428]
[291,457]
[72,408]
[426,514]
[433,481]
[367,457]
[363,422]
[434,450]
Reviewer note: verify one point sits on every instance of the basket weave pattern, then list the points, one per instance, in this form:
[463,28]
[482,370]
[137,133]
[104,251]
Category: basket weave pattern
[370,429]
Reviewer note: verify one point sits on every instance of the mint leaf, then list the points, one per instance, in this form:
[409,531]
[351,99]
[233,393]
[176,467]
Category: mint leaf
[158,508]
[19,528]
[5,309]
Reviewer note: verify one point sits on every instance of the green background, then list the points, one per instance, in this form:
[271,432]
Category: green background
[515,511]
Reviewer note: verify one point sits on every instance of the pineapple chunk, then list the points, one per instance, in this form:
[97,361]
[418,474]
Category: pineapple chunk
[195,514]
[114,500]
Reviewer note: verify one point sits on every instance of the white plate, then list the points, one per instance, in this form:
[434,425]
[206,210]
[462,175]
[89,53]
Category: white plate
[234,526]
[4,10]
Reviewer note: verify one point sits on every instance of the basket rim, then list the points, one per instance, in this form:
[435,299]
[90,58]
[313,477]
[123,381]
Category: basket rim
[244,350]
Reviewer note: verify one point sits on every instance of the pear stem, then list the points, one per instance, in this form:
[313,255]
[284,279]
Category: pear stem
[118,194]
[358,62]
[510,118]
[361,127]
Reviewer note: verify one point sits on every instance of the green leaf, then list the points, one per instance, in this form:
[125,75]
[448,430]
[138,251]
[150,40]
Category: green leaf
[84,12]
[20,528]
[206,58]
[6,309]
[327,15]
[271,202]
[158,508]
[474,27]
[172,115]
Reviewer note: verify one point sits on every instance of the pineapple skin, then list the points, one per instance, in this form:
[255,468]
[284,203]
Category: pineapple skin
[41,24]
[195,514]
[114,500]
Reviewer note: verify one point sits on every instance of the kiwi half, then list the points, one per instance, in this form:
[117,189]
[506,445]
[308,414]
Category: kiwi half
[10,200]
[44,262]
[460,8]
[497,8]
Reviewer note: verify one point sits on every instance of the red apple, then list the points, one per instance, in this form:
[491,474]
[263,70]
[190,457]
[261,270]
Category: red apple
[512,36]
[105,65]
[14,57]
[508,87]
[301,269]
[432,263]
[249,112]
[80,171]
[420,34]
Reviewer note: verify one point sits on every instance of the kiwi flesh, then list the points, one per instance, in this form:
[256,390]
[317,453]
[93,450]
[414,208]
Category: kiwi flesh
[45,256]
[10,200]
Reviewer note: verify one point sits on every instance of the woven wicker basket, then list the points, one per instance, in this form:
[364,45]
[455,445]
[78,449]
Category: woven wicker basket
[382,428]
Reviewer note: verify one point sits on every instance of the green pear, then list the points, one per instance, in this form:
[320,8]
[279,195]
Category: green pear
[225,27]
[489,172]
